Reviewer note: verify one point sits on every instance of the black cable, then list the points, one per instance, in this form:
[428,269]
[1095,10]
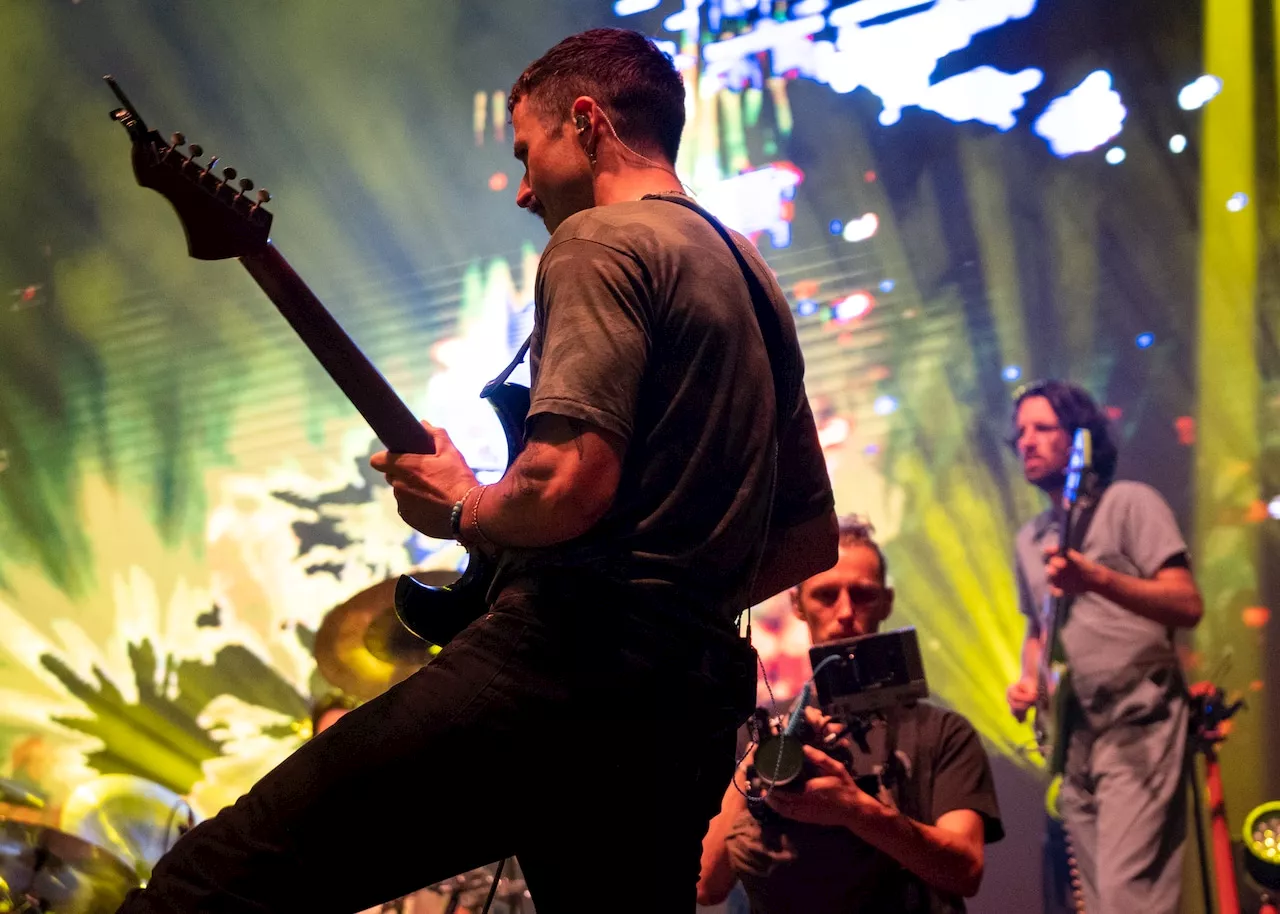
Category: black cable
[493,889]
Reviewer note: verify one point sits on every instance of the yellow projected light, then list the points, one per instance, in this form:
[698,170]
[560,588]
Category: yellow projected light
[1262,841]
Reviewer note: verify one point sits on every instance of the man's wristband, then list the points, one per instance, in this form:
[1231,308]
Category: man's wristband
[455,514]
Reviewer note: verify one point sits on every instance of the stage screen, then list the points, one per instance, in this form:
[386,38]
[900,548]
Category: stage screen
[957,196]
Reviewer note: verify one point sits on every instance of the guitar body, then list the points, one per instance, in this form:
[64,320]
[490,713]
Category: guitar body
[436,614]
[1052,706]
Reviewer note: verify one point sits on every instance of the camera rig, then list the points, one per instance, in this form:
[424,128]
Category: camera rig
[870,673]
[858,680]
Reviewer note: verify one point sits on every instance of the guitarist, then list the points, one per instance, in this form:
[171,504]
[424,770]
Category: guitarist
[1128,587]
[588,719]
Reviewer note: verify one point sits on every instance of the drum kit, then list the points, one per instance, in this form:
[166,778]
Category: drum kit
[113,829]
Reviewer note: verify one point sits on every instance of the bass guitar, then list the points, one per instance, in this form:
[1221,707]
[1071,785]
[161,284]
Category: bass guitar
[1053,680]
[221,221]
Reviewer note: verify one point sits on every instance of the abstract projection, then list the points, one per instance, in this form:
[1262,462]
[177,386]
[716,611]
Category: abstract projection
[954,199]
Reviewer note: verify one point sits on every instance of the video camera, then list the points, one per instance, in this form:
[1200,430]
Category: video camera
[857,680]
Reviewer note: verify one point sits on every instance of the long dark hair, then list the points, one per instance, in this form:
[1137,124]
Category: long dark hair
[637,85]
[1075,409]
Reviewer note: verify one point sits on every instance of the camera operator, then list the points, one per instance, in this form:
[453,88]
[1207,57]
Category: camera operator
[831,847]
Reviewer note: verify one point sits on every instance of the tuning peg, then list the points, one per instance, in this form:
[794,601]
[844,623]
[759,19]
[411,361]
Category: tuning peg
[196,150]
[228,174]
[177,139]
[264,196]
[212,163]
[245,185]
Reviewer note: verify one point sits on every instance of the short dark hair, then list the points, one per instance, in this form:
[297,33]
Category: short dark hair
[331,701]
[1075,409]
[856,530]
[637,85]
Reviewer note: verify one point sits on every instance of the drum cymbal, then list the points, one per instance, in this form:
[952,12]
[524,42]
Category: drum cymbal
[135,819]
[42,869]
[361,646]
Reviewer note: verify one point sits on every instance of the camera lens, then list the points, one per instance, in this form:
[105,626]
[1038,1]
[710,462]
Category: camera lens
[779,760]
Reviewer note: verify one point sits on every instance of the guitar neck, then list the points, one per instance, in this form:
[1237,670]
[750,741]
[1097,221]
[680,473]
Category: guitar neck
[1053,607]
[391,420]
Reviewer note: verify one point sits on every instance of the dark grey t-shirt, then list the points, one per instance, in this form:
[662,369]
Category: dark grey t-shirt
[644,327]
[792,867]
[1110,650]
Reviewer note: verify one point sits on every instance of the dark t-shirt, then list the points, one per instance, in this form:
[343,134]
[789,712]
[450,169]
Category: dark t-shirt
[644,327]
[791,867]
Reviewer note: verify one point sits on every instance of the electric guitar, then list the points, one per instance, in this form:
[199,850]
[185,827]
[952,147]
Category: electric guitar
[1053,681]
[221,221]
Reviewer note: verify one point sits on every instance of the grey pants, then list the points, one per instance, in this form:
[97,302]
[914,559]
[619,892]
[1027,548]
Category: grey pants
[1124,804]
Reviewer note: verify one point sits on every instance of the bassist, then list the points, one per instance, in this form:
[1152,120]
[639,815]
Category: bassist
[1127,588]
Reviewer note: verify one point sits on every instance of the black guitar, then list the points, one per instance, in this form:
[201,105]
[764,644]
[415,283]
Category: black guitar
[221,221]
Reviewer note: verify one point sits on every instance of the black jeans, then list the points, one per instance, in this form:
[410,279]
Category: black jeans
[587,733]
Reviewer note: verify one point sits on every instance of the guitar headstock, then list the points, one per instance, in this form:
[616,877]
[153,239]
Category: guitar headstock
[220,219]
[1078,465]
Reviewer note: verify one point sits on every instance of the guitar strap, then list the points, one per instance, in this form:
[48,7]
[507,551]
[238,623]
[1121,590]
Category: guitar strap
[506,372]
[785,383]
[785,389]
[784,386]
